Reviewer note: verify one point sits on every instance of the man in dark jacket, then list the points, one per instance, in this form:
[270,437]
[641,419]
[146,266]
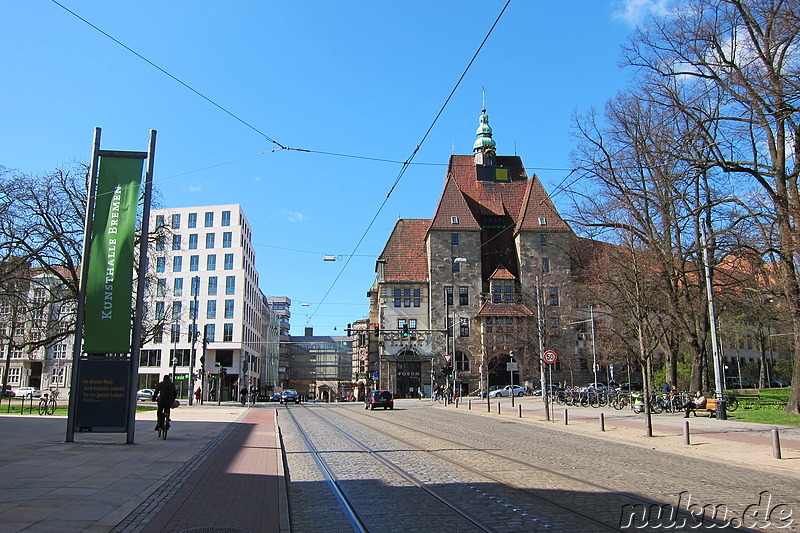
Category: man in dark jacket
[164,395]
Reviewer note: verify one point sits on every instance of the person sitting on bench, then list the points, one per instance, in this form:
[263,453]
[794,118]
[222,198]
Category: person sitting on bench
[698,402]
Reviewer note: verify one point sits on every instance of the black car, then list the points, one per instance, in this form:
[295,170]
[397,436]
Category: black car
[290,395]
[379,398]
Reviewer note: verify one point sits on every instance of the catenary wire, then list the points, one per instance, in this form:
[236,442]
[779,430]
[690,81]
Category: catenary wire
[407,162]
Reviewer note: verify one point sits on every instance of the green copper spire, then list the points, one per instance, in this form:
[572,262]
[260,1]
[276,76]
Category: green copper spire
[484,142]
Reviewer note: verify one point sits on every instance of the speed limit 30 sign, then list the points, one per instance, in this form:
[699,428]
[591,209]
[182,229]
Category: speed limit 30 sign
[550,356]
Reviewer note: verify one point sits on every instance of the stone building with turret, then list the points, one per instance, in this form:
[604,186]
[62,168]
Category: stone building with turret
[458,296]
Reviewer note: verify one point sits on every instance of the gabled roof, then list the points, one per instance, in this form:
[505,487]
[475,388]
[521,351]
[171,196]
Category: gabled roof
[537,204]
[488,197]
[404,256]
[492,309]
[502,272]
[452,203]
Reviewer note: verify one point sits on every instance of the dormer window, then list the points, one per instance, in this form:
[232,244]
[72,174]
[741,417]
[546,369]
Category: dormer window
[454,220]
[542,221]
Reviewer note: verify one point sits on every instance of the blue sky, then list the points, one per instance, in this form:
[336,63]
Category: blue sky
[355,78]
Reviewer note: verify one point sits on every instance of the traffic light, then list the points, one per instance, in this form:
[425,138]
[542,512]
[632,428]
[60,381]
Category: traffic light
[349,330]
[405,330]
[377,329]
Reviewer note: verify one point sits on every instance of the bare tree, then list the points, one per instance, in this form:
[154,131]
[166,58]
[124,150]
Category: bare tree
[731,68]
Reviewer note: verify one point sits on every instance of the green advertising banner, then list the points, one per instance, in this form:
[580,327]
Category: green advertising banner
[107,325]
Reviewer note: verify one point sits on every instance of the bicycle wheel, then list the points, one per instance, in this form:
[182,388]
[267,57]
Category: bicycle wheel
[656,407]
[164,432]
[51,406]
[42,406]
[731,404]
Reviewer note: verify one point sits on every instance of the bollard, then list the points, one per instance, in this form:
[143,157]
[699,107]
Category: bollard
[686,432]
[520,411]
[457,398]
[566,417]
[488,404]
[469,405]
[776,444]
[498,408]
[602,421]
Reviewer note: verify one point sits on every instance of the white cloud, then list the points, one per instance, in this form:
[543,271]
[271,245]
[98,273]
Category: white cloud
[634,12]
[194,189]
[293,216]
[257,178]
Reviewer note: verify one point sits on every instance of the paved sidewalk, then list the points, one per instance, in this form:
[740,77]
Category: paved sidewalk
[743,443]
[100,484]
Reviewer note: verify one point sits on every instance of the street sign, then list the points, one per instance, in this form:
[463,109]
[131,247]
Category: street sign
[550,357]
[511,367]
[447,358]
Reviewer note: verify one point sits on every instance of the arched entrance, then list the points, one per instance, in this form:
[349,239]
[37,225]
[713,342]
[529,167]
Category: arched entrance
[408,373]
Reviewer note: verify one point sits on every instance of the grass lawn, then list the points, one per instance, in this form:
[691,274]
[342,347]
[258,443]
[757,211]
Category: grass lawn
[60,410]
[769,410]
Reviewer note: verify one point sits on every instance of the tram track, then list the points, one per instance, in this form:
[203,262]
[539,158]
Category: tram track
[442,448]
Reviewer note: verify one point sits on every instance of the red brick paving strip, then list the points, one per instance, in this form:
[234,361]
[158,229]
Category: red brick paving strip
[240,485]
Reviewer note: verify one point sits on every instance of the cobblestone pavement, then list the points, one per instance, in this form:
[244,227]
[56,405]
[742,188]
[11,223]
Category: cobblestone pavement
[591,475]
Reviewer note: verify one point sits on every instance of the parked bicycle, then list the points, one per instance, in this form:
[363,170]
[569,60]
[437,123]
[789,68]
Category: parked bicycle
[48,403]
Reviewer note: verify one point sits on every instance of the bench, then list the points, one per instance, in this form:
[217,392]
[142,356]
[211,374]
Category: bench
[747,393]
[711,407]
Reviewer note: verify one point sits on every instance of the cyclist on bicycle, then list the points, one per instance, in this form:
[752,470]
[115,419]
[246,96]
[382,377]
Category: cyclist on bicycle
[164,395]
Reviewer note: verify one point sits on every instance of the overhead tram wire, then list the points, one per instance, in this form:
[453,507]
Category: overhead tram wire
[175,78]
[408,161]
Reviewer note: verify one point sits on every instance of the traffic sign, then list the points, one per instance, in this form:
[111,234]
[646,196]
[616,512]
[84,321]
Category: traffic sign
[447,358]
[550,356]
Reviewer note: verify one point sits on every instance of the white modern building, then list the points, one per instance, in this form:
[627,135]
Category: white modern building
[203,303]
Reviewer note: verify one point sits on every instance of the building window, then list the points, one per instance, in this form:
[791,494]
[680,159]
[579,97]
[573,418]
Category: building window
[209,240]
[553,296]
[542,221]
[464,327]
[177,287]
[545,264]
[397,297]
[176,242]
[177,310]
[161,264]
[193,310]
[177,263]
[543,239]
[230,284]
[159,310]
[226,218]
[211,262]
[463,296]
[176,221]
[194,263]
[212,285]
[227,332]
[194,289]
[210,332]
[159,221]
[416,297]
[448,295]
[454,239]
[497,293]
[193,241]
[456,265]
[175,333]
[60,351]
[227,239]
[454,220]
[161,287]
[461,362]
[209,220]
[160,241]
[228,308]
[192,220]
[211,309]
[507,292]
[158,334]
[228,261]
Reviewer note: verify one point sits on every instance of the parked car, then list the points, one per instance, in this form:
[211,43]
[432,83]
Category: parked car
[276,397]
[290,395]
[8,392]
[379,398]
[628,387]
[600,386]
[551,388]
[507,391]
[144,395]
[27,392]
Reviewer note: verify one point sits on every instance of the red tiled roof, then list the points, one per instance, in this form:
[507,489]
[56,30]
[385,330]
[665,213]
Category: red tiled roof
[404,254]
[492,309]
[488,197]
[537,204]
[452,203]
[502,272]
